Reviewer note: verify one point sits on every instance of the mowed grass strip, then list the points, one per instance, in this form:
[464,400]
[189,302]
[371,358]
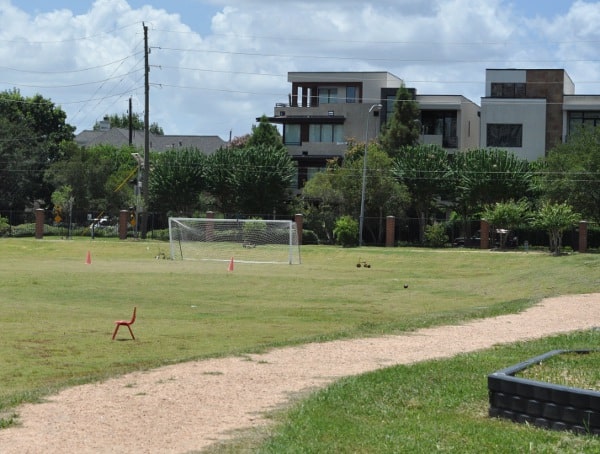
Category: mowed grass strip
[57,312]
[434,406]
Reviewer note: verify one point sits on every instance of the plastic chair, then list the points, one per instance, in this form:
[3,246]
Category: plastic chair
[126,323]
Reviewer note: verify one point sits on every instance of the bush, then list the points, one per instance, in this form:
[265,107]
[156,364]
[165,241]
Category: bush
[309,237]
[4,226]
[435,235]
[346,231]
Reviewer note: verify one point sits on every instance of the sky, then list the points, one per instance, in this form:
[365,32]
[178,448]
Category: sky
[217,65]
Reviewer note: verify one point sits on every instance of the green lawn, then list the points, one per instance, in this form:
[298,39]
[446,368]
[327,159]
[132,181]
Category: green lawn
[57,312]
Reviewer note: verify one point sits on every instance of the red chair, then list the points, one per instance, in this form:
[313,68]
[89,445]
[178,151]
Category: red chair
[126,323]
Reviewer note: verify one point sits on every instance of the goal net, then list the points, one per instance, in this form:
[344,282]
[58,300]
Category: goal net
[246,240]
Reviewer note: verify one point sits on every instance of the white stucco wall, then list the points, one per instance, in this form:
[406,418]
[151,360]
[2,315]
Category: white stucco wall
[531,113]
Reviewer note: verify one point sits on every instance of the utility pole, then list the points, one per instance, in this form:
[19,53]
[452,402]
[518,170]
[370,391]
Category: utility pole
[146,168]
[130,124]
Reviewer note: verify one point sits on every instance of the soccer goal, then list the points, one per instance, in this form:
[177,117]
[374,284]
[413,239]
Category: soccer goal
[246,240]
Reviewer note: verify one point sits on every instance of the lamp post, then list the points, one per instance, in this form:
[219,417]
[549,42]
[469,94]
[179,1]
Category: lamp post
[374,107]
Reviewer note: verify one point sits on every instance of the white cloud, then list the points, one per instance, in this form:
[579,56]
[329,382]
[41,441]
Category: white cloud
[222,80]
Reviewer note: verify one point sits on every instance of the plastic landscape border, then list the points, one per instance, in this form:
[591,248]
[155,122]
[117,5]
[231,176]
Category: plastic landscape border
[544,405]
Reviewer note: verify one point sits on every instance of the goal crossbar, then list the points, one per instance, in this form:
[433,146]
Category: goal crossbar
[246,240]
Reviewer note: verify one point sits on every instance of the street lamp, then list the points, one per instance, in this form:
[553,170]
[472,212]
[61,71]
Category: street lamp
[374,107]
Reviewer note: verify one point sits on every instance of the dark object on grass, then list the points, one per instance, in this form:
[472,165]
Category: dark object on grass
[362,263]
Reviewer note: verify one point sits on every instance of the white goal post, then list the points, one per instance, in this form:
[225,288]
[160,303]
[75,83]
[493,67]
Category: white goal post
[245,240]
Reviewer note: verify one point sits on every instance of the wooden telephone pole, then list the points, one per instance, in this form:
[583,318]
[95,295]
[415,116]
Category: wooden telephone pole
[146,169]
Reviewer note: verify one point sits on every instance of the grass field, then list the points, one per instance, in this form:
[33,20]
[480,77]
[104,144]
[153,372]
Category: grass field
[57,312]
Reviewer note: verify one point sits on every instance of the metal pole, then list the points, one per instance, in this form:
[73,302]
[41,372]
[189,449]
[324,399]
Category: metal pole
[364,177]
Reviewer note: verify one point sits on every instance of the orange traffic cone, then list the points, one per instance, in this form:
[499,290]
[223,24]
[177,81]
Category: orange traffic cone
[230,265]
[88,258]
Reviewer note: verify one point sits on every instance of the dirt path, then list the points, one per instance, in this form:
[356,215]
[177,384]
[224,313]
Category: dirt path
[185,407]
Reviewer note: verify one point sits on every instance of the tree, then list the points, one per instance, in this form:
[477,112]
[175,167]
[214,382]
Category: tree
[32,131]
[99,176]
[63,200]
[251,180]
[265,134]
[572,173]
[346,231]
[507,216]
[555,218]
[176,181]
[423,170]
[403,128]
[323,203]
[338,191]
[137,123]
[483,177]
[263,176]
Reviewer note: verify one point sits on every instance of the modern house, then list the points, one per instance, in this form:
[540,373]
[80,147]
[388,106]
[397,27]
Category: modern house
[529,111]
[327,109]
[450,121]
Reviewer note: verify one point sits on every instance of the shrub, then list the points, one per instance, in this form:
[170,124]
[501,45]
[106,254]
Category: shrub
[309,237]
[435,235]
[4,226]
[346,231]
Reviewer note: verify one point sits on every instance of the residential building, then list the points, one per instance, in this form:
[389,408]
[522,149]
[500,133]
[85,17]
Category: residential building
[450,121]
[119,137]
[327,109]
[529,111]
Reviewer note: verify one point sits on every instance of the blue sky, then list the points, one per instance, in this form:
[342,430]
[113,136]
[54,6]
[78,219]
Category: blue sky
[219,64]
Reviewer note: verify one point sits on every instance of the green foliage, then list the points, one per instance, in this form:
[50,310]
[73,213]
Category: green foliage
[32,130]
[137,123]
[254,231]
[555,218]
[571,173]
[346,231]
[423,169]
[265,134]
[435,235]
[60,197]
[4,226]
[507,216]
[252,180]
[99,177]
[403,128]
[483,177]
[176,181]
[337,192]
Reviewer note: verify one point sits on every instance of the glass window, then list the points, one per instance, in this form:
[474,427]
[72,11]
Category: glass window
[584,118]
[351,94]
[291,134]
[508,90]
[504,135]
[327,96]
[338,134]
[326,133]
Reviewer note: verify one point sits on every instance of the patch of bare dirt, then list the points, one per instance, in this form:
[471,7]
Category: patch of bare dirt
[189,406]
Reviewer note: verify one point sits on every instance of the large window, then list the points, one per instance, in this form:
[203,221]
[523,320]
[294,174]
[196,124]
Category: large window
[328,96]
[578,120]
[441,123]
[291,134]
[504,135]
[326,133]
[508,90]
